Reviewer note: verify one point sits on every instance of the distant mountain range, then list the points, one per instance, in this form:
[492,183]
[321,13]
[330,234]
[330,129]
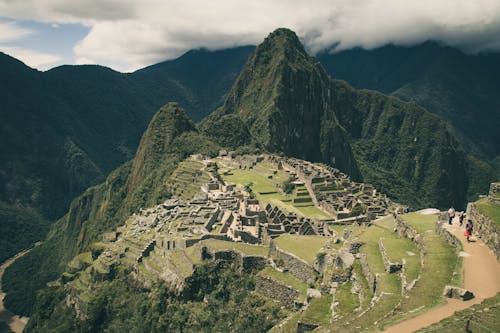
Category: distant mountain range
[65,129]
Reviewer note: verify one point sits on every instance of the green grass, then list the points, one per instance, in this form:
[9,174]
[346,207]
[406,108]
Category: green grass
[318,311]
[490,210]
[304,247]
[289,326]
[389,284]
[286,278]
[313,212]
[365,288]
[440,261]
[181,179]
[248,249]
[182,262]
[261,184]
[347,300]
[399,249]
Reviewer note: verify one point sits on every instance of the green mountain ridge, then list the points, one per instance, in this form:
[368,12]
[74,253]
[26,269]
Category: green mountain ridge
[285,102]
[66,129]
[141,182]
[460,88]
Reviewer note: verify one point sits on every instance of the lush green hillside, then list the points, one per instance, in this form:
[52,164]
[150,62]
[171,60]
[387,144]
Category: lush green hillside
[462,89]
[284,101]
[142,182]
[65,129]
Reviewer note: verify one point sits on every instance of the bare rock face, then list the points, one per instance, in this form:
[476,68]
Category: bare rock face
[458,293]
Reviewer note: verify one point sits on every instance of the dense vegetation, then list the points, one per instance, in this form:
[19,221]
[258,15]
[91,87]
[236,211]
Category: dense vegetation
[216,298]
[21,227]
[285,101]
[4,328]
[141,182]
[461,89]
[65,129]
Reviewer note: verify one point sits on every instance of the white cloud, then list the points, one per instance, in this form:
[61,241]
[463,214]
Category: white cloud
[32,58]
[127,34]
[9,32]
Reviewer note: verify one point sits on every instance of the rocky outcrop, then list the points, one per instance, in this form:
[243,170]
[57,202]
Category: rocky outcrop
[458,293]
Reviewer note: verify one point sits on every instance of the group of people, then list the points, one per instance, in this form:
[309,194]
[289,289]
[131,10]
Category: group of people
[461,216]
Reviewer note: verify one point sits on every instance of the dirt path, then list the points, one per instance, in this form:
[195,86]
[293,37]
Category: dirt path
[481,276]
[15,323]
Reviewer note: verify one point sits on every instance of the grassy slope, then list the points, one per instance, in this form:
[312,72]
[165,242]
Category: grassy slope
[440,263]
[304,247]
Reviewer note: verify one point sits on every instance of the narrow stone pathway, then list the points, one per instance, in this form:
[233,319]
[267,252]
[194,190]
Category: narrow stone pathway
[16,323]
[481,276]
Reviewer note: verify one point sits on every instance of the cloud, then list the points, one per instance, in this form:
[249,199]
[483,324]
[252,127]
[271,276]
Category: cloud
[9,32]
[127,34]
[31,58]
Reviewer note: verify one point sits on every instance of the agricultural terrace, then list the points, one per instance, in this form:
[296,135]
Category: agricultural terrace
[266,182]
[304,247]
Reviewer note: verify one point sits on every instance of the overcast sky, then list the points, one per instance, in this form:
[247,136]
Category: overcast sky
[130,34]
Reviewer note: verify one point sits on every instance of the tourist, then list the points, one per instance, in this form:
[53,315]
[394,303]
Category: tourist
[451,214]
[468,230]
[461,216]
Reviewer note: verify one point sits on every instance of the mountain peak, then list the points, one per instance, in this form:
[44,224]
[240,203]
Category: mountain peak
[281,45]
[283,35]
[167,124]
[281,101]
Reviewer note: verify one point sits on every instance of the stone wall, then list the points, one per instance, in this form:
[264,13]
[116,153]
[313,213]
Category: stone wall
[485,229]
[245,262]
[493,196]
[448,236]
[390,267]
[275,290]
[406,231]
[294,264]
[370,277]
